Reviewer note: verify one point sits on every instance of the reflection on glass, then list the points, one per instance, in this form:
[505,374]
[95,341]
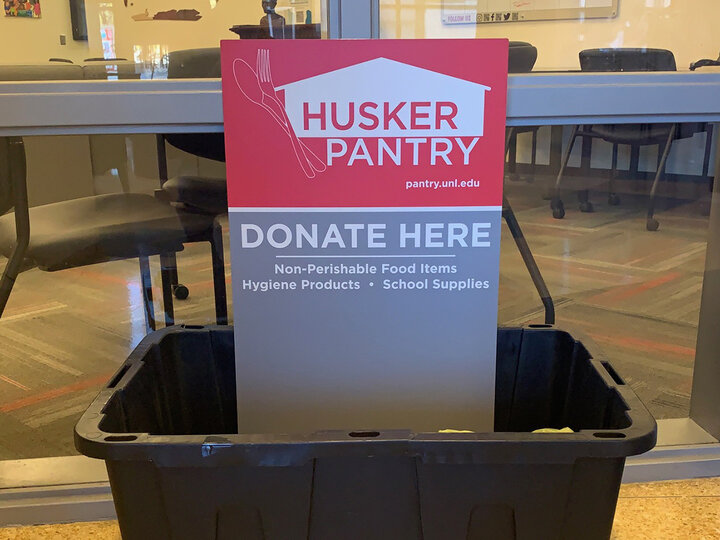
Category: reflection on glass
[107,31]
[73,31]
[561,28]
[65,332]
[633,289]
[151,60]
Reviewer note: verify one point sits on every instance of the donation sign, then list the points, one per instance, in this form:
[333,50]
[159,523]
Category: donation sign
[365,194]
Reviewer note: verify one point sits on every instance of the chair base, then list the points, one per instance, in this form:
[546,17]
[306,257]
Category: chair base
[180,291]
[587,207]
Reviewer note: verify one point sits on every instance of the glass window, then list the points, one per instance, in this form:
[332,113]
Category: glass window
[616,215]
[636,292]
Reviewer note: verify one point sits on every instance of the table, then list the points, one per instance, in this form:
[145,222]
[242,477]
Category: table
[195,105]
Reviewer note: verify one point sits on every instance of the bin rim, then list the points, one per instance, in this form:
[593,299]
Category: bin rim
[297,449]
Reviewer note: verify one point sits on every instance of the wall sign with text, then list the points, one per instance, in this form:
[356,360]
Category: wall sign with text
[365,193]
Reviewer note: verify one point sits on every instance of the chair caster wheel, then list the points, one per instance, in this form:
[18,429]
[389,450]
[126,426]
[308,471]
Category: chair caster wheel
[652,224]
[558,209]
[586,207]
[181,292]
[613,199]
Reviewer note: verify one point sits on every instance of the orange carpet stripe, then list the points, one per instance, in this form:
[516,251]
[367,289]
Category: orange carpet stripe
[625,293]
[662,280]
[13,382]
[55,393]
[644,345]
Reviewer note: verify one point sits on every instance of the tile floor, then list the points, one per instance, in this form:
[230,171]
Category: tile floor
[659,511]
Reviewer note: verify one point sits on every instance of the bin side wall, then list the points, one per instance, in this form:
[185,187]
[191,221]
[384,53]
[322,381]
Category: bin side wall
[359,498]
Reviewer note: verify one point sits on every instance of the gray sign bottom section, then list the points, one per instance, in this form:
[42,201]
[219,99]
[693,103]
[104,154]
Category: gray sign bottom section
[365,320]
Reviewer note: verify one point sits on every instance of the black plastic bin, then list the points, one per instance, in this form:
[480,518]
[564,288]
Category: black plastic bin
[165,425]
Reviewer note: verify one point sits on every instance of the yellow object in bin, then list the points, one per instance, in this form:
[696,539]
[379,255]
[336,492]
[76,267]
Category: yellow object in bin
[455,431]
[553,430]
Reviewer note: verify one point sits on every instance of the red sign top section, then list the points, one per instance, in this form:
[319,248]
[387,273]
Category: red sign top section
[360,123]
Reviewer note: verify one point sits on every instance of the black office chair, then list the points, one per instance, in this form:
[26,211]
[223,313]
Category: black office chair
[195,193]
[198,194]
[635,135]
[521,57]
[97,229]
[705,62]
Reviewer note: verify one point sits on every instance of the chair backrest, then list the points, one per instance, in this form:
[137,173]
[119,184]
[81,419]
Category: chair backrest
[6,195]
[12,161]
[627,59]
[55,71]
[197,64]
[522,57]
[194,64]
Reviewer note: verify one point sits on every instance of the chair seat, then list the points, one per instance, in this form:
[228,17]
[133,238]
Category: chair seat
[102,228]
[642,134]
[198,193]
[526,129]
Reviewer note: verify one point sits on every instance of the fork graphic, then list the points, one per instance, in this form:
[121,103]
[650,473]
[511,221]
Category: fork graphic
[272,102]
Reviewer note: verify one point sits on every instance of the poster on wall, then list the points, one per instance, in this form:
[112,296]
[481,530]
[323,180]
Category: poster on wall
[365,194]
[22,8]
[509,11]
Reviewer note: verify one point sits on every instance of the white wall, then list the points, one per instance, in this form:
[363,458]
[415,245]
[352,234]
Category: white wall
[690,28]
[36,40]
[145,38]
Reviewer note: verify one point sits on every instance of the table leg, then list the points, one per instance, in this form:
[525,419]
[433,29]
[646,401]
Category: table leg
[18,178]
[524,249]
[705,398]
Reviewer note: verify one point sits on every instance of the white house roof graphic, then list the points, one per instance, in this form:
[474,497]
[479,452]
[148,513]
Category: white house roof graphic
[383,80]
[369,68]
